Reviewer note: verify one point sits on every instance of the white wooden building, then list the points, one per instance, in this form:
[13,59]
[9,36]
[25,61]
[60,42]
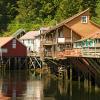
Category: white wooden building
[30,42]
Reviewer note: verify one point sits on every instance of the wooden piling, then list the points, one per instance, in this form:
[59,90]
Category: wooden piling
[86,82]
[71,81]
[9,63]
[90,82]
[66,74]
[79,80]
[96,86]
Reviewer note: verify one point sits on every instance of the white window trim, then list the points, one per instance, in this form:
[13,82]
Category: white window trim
[82,19]
[14,46]
[14,41]
[4,50]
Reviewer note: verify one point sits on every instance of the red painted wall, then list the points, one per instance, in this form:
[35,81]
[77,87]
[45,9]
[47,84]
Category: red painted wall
[20,49]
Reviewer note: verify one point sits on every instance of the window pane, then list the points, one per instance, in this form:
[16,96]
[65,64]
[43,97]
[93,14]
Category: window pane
[84,19]
[13,45]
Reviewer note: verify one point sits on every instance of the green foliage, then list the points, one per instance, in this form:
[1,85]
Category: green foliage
[33,14]
[14,26]
[7,13]
[92,4]
[96,18]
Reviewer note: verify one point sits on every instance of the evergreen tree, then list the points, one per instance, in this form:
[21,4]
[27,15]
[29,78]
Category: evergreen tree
[28,14]
[96,18]
[89,4]
[67,8]
[7,13]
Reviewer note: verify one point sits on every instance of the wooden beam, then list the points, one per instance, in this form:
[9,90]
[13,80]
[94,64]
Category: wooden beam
[71,38]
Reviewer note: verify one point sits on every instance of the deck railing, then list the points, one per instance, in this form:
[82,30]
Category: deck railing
[55,41]
[33,54]
[74,53]
[69,53]
[47,42]
[91,52]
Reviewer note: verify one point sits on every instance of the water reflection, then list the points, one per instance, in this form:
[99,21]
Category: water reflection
[26,85]
[34,90]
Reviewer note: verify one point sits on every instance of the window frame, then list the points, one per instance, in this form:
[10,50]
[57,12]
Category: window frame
[14,43]
[84,19]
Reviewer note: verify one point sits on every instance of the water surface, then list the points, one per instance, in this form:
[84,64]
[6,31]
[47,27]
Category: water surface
[27,85]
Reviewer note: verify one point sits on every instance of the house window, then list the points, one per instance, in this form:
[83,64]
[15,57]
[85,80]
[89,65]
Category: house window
[14,44]
[28,41]
[4,50]
[14,41]
[60,33]
[84,19]
[23,41]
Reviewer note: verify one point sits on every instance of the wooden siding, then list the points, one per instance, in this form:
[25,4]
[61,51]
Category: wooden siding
[20,49]
[83,29]
[67,32]
[71,30]
[52,46]
[75,37]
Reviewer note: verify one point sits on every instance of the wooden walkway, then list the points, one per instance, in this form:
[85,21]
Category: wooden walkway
[89,53]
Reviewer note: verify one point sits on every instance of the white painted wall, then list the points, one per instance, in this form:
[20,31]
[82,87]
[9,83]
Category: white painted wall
[61,40]
[29,44]
[37,45]
[32,45]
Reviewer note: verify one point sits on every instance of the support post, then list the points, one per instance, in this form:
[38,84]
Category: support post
[9,63]
[89,82]
[66,74]
[71,81]
[79,80]
[71,38]
[96,86]
[85,83]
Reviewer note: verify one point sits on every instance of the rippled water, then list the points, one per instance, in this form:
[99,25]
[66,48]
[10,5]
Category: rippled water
[27,85]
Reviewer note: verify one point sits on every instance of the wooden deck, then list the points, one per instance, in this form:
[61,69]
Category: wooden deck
[90,53]
[33,54]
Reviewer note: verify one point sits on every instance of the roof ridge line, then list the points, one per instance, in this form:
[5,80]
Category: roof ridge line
[67,20]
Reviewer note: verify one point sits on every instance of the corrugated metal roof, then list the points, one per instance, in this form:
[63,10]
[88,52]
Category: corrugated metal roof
[19,31]
[30,35]
[4,40]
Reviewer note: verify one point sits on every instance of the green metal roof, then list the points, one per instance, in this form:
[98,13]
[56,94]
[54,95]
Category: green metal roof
[19,31]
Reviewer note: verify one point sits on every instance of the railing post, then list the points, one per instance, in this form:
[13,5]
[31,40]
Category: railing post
[95,51]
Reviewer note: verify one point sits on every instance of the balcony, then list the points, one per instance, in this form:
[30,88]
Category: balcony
[91,52]
[69,53]
[97,45]
[48,42]
[54,41]
[68,40]
[61,40]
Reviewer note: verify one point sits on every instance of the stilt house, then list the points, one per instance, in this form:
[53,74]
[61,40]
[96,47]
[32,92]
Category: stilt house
[11,47]
[58,41]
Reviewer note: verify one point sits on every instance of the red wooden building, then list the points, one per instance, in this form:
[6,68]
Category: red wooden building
[11,47]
